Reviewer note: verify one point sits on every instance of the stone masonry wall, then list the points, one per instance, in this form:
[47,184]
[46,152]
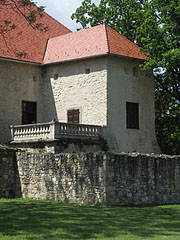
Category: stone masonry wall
[9,184]
[65,177]
[91,177]
[142,179]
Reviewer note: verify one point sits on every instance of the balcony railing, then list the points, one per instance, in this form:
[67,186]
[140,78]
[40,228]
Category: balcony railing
[54,130]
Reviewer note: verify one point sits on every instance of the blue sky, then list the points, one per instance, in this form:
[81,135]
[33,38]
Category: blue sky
[62,10]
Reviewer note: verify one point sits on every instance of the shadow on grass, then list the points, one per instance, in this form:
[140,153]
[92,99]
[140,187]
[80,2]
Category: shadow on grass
[54,220]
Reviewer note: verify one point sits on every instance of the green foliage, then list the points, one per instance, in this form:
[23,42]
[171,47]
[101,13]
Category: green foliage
[155,26]
[21,54]
[167,123]
[124,16]
[6,26]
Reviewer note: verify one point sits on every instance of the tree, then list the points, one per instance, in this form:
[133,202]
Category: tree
[124,16]
[167,123]
[154,25]
[25,8]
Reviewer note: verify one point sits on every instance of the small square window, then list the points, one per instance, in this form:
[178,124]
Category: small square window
[87,71]
[126,70]
[56,76]
[132,115]
[135,71]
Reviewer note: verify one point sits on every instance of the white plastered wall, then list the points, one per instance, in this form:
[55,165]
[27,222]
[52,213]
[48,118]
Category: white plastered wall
[100,95]
[124,87]
[16,85]
[73,89]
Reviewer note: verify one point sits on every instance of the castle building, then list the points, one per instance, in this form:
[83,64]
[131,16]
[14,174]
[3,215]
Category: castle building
[86,81]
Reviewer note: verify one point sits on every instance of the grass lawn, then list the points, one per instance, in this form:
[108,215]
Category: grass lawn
[38,220]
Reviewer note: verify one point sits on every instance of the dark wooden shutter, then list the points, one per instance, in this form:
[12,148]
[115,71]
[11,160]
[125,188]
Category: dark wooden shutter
[73,116]
[76,115]
[70,116]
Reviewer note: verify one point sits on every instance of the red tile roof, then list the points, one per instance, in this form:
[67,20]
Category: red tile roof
[63,45]
[90,42]
[26,39]
[122,46]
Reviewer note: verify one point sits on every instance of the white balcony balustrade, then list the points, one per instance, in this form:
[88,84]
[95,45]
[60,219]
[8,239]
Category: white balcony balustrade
[54,130]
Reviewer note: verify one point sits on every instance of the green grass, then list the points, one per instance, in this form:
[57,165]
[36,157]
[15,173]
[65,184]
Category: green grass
[38,220]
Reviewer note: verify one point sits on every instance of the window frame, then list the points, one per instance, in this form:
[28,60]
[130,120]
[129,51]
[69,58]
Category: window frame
[132,115]
[73,116]
[31,112]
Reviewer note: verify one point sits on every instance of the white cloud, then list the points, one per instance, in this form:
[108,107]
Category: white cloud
[62,10]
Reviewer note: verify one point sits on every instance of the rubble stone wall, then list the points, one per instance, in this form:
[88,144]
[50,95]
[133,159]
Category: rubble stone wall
[142,179]
[91,177]
[9,180]
[65,177]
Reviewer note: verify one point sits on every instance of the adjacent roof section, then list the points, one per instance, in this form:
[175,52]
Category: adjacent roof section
[122,46]
[28,44]
[24,42]
[90,42]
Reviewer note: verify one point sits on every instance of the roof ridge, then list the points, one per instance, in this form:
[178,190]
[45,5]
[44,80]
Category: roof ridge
[45,51]
[112,29]
[78,31]
[107,38]
[59,36]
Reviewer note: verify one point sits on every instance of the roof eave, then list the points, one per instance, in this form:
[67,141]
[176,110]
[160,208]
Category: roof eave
[77,59]
[70,60]
[94,56]
[20,61]
[122,56]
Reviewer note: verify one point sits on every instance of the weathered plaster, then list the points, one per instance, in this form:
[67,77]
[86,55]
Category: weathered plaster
[76,90]
[17,84]
[122,88]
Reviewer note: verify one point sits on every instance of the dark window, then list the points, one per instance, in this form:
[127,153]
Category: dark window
[132,115]
[29,112]
[73,116]
[56,76]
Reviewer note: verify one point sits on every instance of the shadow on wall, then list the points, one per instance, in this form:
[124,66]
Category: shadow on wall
[49,107]
[59,177]
[74,181]
[90,66]
[10,186]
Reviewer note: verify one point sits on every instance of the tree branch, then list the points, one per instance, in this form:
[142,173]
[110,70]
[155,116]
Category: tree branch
[166,89]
